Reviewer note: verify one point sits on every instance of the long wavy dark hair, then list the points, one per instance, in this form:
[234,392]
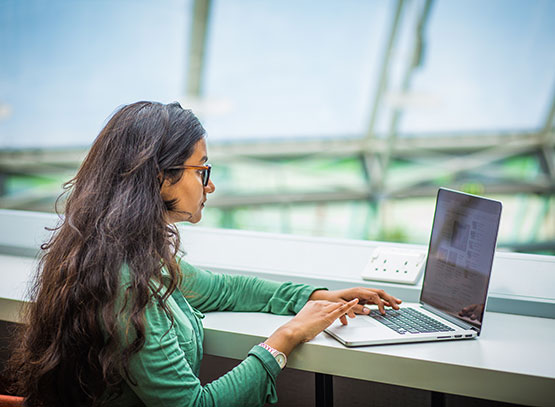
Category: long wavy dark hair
[68,352]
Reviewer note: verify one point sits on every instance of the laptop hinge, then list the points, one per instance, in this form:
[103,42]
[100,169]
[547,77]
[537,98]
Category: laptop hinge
[450,318]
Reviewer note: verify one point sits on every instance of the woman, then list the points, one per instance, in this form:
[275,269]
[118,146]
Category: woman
[116,316]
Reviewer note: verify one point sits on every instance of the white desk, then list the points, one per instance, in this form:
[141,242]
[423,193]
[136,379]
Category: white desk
[510,364]
[513,360]
[501,365]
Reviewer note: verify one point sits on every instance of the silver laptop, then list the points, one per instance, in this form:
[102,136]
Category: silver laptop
[456,280]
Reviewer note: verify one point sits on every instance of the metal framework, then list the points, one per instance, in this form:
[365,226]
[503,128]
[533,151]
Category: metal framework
[469,156]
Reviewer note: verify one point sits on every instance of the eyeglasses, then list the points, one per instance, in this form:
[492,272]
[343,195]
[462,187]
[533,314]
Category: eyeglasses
[204,168]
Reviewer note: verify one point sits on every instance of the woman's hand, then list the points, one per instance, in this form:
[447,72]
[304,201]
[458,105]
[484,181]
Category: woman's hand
[364,295]
[312,319]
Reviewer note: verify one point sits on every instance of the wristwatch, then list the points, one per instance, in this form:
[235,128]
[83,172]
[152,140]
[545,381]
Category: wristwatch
[280,357]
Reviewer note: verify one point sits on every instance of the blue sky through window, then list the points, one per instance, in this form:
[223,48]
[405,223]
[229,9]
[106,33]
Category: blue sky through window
[279,69]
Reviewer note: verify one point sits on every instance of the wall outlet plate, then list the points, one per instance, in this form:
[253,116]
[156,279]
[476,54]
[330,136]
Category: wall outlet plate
[395,265]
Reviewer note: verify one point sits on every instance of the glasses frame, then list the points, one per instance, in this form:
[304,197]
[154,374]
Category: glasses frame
[206,169]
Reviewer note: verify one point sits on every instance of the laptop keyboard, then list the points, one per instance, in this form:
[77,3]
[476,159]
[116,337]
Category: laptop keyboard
[408,320]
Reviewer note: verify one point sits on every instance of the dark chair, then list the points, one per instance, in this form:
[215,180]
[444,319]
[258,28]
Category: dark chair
[10,401]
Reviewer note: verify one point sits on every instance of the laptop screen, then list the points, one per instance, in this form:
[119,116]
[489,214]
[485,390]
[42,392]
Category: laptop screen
[460,256]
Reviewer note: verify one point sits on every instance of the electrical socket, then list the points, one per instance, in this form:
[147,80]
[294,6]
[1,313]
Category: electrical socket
[395,265]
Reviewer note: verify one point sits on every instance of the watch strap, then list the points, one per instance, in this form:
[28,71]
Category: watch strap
[280,357]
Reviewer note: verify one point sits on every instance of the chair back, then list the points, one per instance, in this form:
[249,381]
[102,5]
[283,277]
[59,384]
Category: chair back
[10,401]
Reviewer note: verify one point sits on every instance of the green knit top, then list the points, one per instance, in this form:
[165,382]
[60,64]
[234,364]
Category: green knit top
[166,369]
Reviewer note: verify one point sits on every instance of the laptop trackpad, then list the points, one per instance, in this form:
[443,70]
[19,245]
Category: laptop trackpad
[363,320]
[357,323]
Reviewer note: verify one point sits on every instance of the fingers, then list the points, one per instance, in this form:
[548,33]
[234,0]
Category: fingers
[378,301]
[350,312]
[349,306]
[390,300]
[360,309]
[344,309]
[343,320]
[373,297]
[380,298]
[365,296]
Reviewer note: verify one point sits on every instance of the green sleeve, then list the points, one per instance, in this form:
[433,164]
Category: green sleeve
[164,377]
[207,291]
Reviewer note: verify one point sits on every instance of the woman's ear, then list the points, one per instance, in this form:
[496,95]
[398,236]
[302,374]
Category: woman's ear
[165,186]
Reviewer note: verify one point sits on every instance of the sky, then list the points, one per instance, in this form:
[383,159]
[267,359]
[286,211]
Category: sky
[274,69]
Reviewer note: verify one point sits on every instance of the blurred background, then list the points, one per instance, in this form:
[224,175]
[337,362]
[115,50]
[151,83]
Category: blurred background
[324,118]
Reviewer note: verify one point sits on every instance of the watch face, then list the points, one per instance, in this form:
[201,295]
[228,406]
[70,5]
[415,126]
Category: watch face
[281,360]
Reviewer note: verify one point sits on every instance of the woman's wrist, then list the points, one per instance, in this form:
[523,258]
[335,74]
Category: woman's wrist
[279,356]
[284,339]
[319,295]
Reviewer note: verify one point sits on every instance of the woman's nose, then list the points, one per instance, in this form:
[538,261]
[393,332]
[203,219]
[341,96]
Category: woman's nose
[210,187]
